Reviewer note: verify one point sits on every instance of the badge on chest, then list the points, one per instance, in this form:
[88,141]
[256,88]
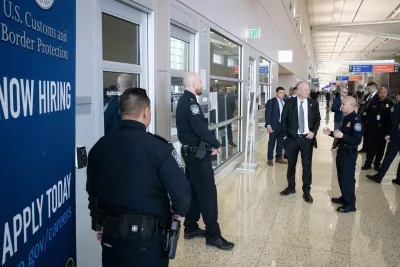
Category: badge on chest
[348,124]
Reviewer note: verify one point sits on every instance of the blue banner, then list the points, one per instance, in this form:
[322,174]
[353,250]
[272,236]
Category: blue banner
[360,68]
[37,133]
[332,83]
[342,78]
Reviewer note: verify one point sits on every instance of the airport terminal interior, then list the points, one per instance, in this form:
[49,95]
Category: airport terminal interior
[242,50]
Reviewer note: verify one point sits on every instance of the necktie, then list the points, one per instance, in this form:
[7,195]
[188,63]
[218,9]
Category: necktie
[301,118]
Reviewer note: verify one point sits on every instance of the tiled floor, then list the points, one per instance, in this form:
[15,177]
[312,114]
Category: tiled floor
[270,230]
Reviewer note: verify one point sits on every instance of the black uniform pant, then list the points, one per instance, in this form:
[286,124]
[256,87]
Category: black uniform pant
[135,253]
[391,152]
[204,195]
[376,145]
[305,147]
[346,167]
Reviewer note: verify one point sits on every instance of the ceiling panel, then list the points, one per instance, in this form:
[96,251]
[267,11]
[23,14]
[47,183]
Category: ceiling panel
[392,45]
[375,10]
[349,10]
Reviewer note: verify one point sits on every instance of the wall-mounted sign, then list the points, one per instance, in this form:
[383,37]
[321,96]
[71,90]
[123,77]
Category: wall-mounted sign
[37,136]
[360,68]
[253,33]
[263,69]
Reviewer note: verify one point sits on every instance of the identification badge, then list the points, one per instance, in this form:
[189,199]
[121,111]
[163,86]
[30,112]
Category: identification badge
[378,117]
[348,124]
[387,105]
[365,113]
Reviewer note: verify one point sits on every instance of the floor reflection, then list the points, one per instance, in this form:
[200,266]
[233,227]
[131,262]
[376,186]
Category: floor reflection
[269,230]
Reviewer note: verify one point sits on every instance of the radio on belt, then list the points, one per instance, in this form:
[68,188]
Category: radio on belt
[81,158]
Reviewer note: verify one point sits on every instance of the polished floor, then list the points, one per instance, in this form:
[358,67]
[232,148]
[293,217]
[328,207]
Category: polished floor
[270,230]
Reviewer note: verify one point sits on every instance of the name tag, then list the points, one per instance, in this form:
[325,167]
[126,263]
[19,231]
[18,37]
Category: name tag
[378,117]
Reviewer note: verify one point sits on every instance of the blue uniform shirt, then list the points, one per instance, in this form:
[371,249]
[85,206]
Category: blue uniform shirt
[190,123]
[136,171]
[352,130]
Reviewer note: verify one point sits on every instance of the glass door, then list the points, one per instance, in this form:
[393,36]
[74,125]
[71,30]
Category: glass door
[182,61]
[124,49]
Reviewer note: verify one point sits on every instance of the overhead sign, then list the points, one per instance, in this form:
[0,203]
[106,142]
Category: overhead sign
[253,33]
[360,68]
[385,68]
[342,78]
[37,133]
[374,68]
[332,83]
[354,78]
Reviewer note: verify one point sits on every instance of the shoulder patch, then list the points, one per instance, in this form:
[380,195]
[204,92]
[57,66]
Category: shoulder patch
[195,109]
[177,158]
[160,137]
[357,127]
[391,109]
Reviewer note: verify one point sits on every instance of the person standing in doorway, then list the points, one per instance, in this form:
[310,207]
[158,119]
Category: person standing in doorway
[273,114]
[300,121]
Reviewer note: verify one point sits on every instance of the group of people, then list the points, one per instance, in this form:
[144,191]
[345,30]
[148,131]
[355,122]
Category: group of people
[293,123]
[139,187]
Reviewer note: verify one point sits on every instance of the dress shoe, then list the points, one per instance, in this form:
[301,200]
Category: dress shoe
[232,144]
[220,243]
[308,198]
[288,191]
[281,161]
[270,163]
[396,181]
[374,178]
[198,233]
[337,200]
[366,167]
[346,209]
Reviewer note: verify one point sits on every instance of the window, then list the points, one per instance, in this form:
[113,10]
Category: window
[179,55]
[225,95]
[264,90]
[124,37]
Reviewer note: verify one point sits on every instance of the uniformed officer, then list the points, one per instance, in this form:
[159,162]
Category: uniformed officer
[198,144]
[364,103]
[393,148]
[130,174]
[349,136]
[378,126]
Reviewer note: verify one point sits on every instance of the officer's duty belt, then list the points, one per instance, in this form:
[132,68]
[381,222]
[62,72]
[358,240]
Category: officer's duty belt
[133,226]
[194,149]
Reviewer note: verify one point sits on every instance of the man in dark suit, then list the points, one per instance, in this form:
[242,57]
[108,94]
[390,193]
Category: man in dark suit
[273,113]
[300,122]
[372,89]
[339,115]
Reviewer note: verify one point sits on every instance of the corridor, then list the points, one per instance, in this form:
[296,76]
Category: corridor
[270,230]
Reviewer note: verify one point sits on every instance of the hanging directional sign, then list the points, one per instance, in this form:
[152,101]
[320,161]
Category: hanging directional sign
[342,78]
[360,68]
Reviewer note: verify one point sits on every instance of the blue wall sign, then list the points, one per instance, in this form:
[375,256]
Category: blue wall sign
[360,68]
[263,69]
[342,78]
[332,83]
[37,133]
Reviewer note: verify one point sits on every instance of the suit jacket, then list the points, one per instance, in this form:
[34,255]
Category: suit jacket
[336,107]
[290,118]
[272,114]
[364,104]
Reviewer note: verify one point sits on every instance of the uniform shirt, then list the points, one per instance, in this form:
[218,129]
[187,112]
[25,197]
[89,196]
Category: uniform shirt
[134,171]
[395,121]
[352,130]
[378,112]
[190,123]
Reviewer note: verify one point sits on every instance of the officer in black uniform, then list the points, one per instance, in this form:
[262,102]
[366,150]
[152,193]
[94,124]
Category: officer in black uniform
[364,103]
[132,178]
[378,126]
[393,148]
[198,144]
[349,138]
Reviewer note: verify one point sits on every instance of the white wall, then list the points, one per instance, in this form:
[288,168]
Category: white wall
[287,81]
[271,16]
